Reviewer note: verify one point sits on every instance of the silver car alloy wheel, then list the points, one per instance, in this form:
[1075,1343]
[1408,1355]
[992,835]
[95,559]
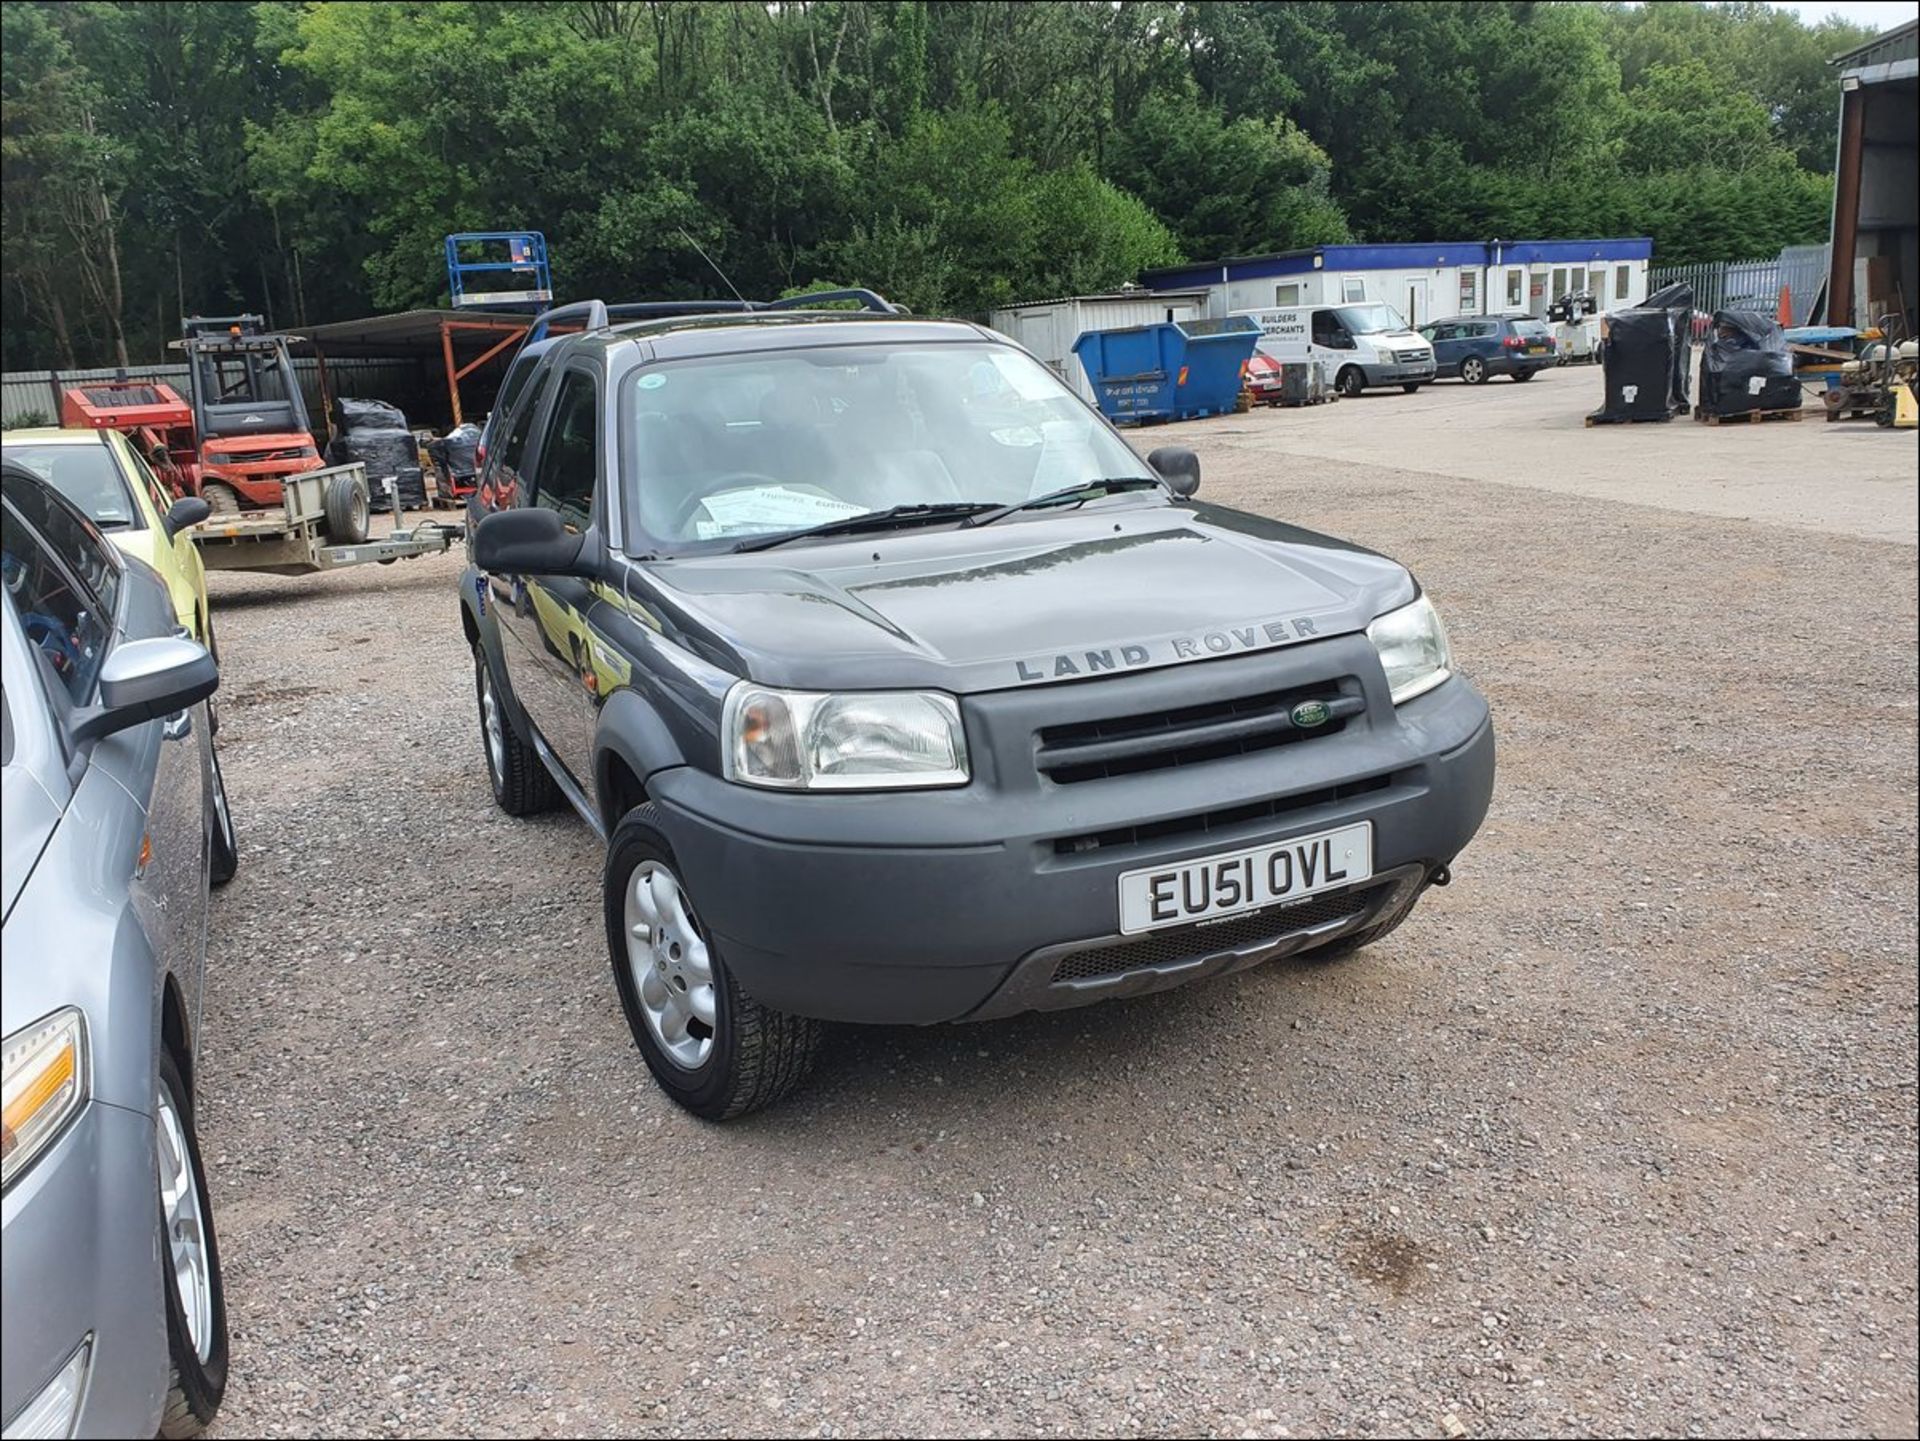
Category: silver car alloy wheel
[490,723]
[671,968]
[185,1226]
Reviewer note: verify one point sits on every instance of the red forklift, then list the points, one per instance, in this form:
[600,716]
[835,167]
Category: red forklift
[248,415]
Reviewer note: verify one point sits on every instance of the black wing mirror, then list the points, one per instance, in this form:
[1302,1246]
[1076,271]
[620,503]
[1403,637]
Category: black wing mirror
[183,514]
[528,540]
[1178,467]
[141,680]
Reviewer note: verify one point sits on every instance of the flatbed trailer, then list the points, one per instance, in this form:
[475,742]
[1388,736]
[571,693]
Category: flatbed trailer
[293,539]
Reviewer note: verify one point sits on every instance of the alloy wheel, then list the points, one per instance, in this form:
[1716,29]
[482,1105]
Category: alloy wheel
[671,967]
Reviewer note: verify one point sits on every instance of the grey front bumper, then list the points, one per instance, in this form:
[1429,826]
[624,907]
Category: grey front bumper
[920,907]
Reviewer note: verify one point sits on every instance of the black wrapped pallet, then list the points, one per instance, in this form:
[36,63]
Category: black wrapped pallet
[375,434]
[1746,366]
[1642,348]
[1678,299]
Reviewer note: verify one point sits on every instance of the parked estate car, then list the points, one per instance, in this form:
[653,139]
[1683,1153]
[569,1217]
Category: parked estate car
[113,823]
[1475,347]
[103,474]
[902,697]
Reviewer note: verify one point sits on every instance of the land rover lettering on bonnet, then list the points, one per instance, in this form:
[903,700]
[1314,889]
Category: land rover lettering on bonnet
[903,691]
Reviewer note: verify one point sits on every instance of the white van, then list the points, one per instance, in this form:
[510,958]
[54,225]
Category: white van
[1358,345]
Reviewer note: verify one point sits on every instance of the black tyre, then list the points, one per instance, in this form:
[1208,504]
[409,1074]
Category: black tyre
[221,498]
[1367,935]
[711,1047]
[348,511]
[1525,374]
[1350,381]
[196,1302]
[226,842]
[1473,370]
[1411,386]
[521,783]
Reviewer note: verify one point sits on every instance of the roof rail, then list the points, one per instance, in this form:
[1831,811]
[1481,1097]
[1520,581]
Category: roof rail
[592,313]
[869,300]
[598,314]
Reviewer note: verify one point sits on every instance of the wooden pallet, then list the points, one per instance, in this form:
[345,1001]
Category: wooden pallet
[1706,417]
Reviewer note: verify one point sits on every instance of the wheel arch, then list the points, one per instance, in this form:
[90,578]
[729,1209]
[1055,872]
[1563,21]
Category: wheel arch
[632,745]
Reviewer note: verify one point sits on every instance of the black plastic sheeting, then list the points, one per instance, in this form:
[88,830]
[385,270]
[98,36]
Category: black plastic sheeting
[375,434]
[454,452]
[1747,366]
[1641,353]
[1648,358]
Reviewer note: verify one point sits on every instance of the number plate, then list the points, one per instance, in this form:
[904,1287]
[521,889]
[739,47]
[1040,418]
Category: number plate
[1242,881]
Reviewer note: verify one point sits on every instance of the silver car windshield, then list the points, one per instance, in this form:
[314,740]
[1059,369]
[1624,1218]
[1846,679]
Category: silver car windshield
[721,449]
[86,474]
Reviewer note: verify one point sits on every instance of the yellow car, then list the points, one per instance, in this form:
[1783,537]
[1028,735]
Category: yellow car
[105,475]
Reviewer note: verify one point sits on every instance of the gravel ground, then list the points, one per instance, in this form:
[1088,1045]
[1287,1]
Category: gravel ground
[1616,1136]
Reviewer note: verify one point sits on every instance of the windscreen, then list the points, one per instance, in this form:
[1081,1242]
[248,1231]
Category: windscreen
[85,474]
[1369,319]
[724,448]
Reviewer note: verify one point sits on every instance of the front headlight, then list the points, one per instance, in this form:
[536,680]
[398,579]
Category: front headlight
[1413,649]
[855,740]
[45,1083]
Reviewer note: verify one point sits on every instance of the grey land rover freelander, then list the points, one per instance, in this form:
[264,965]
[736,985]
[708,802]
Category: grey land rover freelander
[903,691]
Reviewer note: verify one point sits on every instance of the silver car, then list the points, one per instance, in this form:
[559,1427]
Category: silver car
[113,820]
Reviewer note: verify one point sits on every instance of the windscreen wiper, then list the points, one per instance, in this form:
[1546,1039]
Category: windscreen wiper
[890,518]
[1072,495]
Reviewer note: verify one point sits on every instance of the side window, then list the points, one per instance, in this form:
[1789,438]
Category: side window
[517,376]
[64,622]
[1516,288]
[1353,289]
[1323,327]
[570,457]
[501,486]
[75,541]
[1622,278]
[1287,294]
[143,475]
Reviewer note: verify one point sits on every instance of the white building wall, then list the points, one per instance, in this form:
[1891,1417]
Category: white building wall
[1422,295]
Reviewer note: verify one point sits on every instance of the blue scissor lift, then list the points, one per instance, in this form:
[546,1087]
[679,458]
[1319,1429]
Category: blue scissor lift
[515,253]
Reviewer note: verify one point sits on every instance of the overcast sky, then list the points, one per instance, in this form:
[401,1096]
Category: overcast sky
[1881,14]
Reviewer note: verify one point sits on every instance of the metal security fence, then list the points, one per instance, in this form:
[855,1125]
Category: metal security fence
[405,383]
[1753,284]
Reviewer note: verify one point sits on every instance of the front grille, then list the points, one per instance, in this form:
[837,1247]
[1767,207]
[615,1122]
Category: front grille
[1175,827]
[1189,943]
[1129,745]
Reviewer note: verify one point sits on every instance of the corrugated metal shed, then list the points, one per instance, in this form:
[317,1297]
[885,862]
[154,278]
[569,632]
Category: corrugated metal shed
[1900,43]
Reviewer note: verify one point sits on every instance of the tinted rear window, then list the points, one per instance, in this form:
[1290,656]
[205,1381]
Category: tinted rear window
[1530,327]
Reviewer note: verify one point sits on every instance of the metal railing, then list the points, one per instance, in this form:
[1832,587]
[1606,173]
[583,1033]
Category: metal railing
[1753,284]
[26,393]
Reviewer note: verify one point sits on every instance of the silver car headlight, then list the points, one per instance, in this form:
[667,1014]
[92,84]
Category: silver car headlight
[851,740]
[1413,649]
[45,1082]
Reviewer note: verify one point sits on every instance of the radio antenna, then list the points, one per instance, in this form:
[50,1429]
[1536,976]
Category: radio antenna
[710,260]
